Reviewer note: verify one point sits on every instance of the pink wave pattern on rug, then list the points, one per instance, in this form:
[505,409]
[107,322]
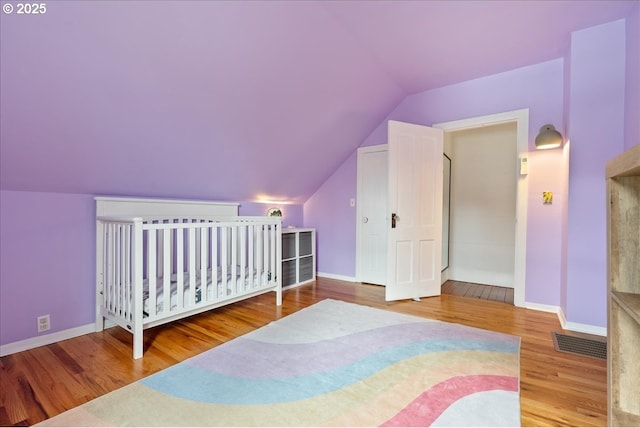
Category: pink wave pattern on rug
[425,409]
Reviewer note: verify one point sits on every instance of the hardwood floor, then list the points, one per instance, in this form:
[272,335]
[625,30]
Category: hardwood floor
[557,389]
[478,291]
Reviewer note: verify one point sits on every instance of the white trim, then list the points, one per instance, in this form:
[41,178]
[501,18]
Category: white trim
[586,328]
[162,201]
[544,308]
[444,276]
[338,277]
[521,117]
[47,339]
[562,317]
[567,325]
[147,207]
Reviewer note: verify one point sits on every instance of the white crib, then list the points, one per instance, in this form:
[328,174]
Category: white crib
[158,260]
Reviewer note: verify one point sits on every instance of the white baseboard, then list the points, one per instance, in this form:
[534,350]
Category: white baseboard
[444,276]
[542,308]
[338,277]
[47,339]
[586,328]
[568,325]
[562,317]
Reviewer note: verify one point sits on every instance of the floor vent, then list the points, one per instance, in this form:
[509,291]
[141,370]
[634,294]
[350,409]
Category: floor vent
[595,347]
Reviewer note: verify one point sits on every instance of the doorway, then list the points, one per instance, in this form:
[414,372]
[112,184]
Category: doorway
[483,204]
[519,118]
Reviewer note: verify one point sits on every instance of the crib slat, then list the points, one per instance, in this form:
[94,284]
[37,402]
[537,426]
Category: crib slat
[192,267]
[126,274]
[160,246]
[108,275]
[224,260]
[252,275]
[115,241]
[265,251]
[152,252]
[243,259]
[259,250]
[234,259]
[179,271]
[214,261]
[166,271]
[204,244]
[272,259]
[119,279]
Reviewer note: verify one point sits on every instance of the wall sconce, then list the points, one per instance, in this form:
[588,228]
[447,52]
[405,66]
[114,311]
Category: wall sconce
[548,138]
[274,212]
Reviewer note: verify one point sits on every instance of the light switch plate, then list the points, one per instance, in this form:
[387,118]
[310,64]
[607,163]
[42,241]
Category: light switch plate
[524,165]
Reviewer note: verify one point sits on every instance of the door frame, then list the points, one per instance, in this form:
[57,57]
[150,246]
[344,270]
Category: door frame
[521,118]
[359,186]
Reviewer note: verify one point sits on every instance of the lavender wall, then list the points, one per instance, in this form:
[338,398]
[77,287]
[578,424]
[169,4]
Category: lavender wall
[538,88]
[47,242]
[596,124]
[632,92]
[329,211]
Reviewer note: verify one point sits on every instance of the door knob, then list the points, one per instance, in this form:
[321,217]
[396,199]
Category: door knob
[394,218]
[365,219]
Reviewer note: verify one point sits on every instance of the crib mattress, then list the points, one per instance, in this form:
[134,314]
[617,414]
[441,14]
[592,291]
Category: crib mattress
[235,285]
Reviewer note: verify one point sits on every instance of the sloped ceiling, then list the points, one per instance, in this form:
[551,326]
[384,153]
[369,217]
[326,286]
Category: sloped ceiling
[240,100]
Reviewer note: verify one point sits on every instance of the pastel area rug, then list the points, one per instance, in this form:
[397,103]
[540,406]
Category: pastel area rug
[331,364]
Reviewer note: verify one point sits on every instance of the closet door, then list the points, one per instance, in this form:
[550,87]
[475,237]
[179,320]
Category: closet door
[372,210]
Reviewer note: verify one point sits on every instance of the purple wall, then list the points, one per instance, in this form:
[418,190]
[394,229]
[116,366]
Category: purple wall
[544,227]
[328,210]
[596,124]
[537,87]
[47,242]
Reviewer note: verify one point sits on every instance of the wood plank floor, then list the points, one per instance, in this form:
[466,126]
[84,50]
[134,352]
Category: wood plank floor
[478,291]
[557,389]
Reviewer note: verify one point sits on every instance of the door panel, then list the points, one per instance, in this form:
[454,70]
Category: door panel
[415,197]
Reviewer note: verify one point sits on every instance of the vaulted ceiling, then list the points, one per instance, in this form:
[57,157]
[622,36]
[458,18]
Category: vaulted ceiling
[241,100]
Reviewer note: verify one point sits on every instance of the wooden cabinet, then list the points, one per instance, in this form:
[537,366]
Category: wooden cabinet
[623,230]
[298,256]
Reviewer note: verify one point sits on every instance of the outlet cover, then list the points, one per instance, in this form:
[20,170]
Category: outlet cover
[44,323]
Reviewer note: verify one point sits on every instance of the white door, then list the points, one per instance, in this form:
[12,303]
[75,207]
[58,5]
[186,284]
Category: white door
[372,214]
[415,211]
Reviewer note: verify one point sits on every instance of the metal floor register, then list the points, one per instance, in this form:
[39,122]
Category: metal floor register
[595,348]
